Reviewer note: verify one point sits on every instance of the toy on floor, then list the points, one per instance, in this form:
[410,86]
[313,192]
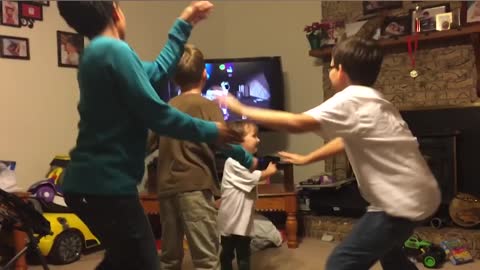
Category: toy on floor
[47,189]
[456,251]
[70,238]
[432,256]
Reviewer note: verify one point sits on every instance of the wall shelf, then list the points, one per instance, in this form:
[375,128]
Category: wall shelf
[470,33]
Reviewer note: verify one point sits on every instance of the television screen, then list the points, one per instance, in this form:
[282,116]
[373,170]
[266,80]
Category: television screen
[254,81]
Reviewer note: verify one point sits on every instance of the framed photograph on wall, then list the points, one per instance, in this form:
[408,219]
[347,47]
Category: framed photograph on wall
[69,48]
[396,26]
[31,10]
[471,11]
[10,13]
[14,47]
[427,17]
[375,6]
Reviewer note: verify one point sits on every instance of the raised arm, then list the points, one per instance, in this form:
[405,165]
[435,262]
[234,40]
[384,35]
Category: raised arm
[168,58]
[332,148]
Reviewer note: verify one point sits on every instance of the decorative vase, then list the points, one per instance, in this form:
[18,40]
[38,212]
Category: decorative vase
[314,40]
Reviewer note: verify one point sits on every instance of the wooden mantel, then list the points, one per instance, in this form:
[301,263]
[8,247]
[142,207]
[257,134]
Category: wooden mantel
[467,34]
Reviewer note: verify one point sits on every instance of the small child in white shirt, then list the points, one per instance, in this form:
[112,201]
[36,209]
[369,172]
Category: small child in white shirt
[239,192]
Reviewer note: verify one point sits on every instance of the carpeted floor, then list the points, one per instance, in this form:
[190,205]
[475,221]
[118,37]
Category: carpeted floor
[311,255]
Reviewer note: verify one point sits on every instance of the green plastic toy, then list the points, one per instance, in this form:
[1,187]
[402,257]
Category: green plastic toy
[432,256]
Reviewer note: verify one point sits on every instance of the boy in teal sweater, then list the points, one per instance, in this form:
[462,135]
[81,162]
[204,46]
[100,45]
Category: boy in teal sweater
[117,105]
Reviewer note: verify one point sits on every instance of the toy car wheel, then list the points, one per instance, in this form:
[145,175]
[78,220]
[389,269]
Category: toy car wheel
[46,193]
[67,248]
[429,262]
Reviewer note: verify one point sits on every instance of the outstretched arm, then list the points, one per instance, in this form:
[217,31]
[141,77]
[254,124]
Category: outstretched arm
[167,60]
[279,120]
[332,148]
[140,98]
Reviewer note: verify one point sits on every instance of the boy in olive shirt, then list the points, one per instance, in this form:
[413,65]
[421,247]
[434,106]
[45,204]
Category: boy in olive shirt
[187,175]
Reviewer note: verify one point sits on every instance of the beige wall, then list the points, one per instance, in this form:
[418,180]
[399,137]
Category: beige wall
[38,103]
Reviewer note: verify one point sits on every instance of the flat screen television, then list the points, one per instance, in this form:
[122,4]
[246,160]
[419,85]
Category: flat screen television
[256,81]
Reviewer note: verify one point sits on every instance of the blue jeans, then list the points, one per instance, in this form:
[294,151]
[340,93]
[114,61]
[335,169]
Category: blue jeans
[376,236]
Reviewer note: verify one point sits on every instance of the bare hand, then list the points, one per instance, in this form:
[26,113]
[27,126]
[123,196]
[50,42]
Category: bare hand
[227,135]
[231,103]
[196,11]
[293,158]
[217,203]
[271,168]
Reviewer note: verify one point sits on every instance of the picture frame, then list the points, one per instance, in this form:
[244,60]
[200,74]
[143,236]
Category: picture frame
[69,48]
[444,21]
[471,11]
[9,164]
[457,16]
[14,47]
[31,10]
[335,32]
[43,3]
[427,17]
[370,7]
[352,29]
[10,13]
[396,26]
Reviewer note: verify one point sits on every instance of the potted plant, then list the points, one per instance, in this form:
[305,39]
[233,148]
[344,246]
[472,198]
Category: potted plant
[316,33]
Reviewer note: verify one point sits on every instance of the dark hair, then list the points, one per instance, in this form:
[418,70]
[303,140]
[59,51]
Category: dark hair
[240,126]
[190,67]
[360,58]
[88,18]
